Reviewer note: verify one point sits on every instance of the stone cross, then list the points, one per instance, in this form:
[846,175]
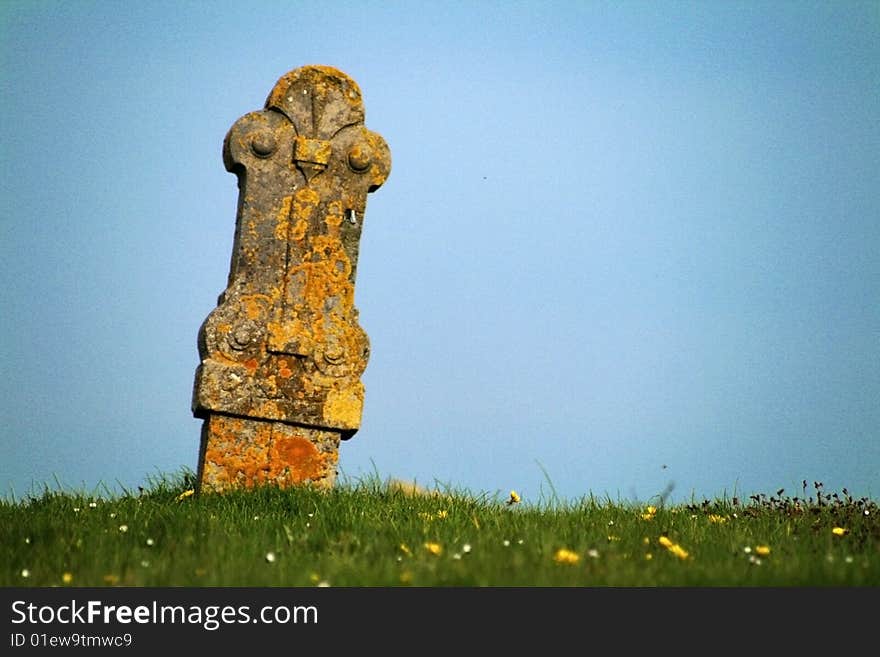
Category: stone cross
[279,384]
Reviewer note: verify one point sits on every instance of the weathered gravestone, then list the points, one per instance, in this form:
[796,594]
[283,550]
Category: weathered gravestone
[279,382]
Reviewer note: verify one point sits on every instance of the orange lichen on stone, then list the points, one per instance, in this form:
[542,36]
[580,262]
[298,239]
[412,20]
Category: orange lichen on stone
[279,91]
[282,219]
[304,203]
[333,219]
[299,230]
[245,453]
[296,457]
[255,305]
[229,458]
[323,276]
[269,409]
[316,151]
[344,407]
[283,335]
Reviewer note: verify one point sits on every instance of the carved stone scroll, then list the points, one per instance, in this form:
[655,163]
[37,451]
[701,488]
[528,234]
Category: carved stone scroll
[282,354]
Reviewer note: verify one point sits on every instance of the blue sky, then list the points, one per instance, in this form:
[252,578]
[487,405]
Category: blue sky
[623,245]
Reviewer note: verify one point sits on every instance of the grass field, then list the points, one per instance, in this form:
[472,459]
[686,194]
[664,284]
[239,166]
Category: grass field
[370,533]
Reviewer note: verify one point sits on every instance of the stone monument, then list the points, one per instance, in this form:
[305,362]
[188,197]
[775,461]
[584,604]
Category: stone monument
[282,354]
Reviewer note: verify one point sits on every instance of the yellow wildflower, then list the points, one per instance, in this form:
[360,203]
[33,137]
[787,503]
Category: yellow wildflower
[717,519]
[185,494]
[405,549]
[679,551]
[649,513]
[434,548]
[674,548]
[67,578]
[514,498]
[762,550]
[566,556]
[839,531]
[443,513]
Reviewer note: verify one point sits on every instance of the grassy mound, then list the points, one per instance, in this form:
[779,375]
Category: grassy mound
[374,533]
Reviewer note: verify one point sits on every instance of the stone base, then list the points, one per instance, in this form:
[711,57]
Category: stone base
[239,452]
